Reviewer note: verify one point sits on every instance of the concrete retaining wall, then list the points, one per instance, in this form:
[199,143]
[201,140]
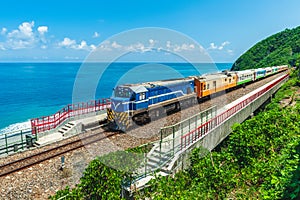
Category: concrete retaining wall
[218,134]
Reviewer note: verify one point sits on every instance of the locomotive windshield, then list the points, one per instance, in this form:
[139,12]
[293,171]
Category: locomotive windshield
[122,92]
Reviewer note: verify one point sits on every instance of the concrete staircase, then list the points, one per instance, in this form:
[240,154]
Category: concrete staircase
[155,159]
[67,127]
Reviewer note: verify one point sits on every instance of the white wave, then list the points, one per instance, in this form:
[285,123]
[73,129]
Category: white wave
[17,127]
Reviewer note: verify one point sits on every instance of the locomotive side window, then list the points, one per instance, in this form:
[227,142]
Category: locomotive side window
[132,98]
[142,96]
[207,86]
[122,92]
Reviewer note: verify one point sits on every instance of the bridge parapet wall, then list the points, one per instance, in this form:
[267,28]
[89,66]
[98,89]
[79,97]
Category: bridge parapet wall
[218,128]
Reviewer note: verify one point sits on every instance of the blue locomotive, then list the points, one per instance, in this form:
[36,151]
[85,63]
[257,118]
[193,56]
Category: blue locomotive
[140,102]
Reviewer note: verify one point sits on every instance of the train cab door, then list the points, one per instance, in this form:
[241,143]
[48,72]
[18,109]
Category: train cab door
[201,89]
[215,85]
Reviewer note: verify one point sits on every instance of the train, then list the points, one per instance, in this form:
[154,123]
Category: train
[137,104]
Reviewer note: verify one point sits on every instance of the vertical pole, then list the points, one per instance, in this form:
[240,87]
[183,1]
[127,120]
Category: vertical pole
[189,124]
[6,145]
[181,146]
[145,159]
[212,122]
[181,137]
[62,163]
[36,135]
[173,141]
[22,139]
[215,110]
[200,129]
[181,124]
[196,127]
[206,115]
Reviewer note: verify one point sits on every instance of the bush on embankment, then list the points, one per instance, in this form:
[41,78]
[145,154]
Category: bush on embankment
[259,160]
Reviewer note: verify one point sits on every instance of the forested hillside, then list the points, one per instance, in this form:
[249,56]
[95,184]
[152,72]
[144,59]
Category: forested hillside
[281,48]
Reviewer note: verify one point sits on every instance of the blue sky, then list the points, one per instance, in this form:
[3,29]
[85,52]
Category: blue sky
[69,30]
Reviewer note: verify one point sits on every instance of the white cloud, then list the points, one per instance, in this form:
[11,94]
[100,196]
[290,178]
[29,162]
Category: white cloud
[168,44]
[149,46]
[71,58]
[105,46]
[42,29]
[2,47]
[69,43]
[230,52]
[225,43]
[23,37]
[83,45]
[152,42]
[213,46]
[20,44]
[96,35]
[24,31]
[26,36]
[93,47]
[179,47]
[116,45]
[3,31]
[138,47]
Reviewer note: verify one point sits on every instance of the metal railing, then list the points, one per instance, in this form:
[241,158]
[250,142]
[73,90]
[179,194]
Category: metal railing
[189,124]
[169,144]
[205,128]
[15,141]
[46,123]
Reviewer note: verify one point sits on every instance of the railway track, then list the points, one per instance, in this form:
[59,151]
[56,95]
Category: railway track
[26,162]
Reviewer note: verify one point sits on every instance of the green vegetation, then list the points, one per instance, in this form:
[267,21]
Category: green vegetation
[260,159]
[103,177]
[279,49]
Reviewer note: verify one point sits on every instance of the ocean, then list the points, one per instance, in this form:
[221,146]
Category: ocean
[30,90]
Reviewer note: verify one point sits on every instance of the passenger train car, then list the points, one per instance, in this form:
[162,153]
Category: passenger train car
[141,103]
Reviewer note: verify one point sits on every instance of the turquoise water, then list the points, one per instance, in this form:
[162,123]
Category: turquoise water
[30,90]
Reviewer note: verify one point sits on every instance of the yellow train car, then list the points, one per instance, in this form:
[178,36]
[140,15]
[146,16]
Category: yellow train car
[282,68]
[213,83]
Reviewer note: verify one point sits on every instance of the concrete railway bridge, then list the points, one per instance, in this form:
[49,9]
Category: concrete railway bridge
[206,130]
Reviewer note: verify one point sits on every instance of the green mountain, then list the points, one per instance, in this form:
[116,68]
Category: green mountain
[279,49]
